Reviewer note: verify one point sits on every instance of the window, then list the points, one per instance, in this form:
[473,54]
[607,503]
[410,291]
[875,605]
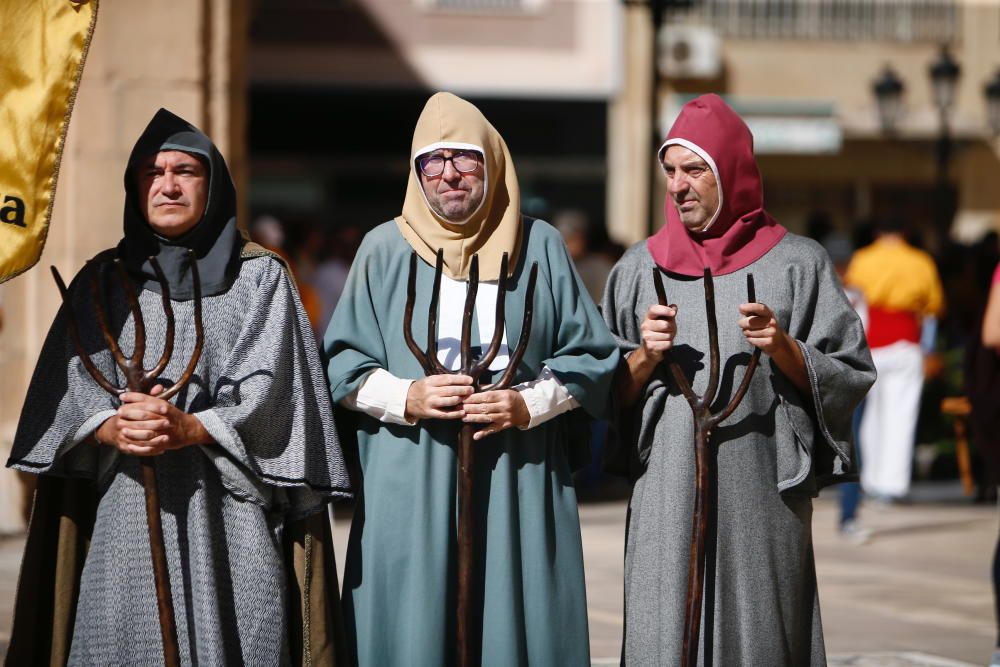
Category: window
[846,20]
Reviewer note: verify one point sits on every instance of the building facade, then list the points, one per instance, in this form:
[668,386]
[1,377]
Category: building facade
[802,72]
[313,103]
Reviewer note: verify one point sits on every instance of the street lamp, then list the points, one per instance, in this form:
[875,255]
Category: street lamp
[944,73]
[888,90]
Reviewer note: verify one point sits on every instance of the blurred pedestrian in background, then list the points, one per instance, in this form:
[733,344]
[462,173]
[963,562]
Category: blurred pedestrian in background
[904,295]
[330,274]
[985,420]
[841,251]
[268,231]
[593,267]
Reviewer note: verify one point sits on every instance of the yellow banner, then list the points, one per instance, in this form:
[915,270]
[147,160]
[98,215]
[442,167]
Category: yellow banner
[42,51]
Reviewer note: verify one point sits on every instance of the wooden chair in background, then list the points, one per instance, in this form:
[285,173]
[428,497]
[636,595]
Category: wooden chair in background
[960,408]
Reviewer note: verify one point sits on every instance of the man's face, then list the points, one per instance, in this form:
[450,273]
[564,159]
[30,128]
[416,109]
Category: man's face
[456,192]
[173,187]
[692,186]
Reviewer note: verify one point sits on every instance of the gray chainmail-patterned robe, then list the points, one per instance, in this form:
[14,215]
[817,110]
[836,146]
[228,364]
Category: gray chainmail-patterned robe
[761,604]
[260,391]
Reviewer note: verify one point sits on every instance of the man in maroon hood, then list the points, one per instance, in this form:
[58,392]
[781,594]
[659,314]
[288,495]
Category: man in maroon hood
[790,435]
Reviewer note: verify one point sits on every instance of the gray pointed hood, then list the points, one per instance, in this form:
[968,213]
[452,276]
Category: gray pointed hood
[216,240]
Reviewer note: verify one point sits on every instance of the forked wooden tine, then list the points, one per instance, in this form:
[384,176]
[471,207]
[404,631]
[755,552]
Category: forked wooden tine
[168,310]
[522,343]
[74,334]
[411,298]
[97,294]
[498,319]
[133,373]
[713,341]
[199,332]
[751,366]
[139,352]
[675,370]
[432,313]
[468,313]
[661,294]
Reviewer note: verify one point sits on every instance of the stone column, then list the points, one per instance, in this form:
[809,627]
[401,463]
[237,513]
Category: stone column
[629,130]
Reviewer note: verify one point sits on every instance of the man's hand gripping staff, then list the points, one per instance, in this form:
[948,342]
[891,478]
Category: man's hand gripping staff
[704,422]
[467,637]
[141,388]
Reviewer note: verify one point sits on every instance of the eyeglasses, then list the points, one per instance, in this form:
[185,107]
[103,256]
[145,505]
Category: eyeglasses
[463,161]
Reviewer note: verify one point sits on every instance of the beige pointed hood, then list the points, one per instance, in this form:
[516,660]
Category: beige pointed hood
[448,121]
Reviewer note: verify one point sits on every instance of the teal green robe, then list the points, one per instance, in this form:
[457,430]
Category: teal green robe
[400,578]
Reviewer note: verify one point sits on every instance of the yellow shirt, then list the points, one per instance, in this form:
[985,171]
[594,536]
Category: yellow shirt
[896,276]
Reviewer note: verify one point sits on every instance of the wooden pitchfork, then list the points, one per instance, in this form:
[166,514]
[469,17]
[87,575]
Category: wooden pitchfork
[704,422]
[467,646]
[137,379]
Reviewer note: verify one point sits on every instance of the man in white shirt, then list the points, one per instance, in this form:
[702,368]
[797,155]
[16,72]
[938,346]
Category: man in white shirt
[399,592]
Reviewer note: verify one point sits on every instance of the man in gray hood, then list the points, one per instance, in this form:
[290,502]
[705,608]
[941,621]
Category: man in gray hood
[246,455]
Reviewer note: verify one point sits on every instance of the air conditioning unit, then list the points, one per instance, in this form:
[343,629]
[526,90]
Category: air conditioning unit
[689,52]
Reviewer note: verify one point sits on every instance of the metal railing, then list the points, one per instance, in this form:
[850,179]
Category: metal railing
[842,20]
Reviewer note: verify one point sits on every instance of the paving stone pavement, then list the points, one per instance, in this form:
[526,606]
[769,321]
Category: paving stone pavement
[916,594]
[902,659]
[881,659]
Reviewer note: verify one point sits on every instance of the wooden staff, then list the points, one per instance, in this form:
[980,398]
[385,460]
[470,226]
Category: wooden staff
[466,637]
[137,379]
[704,422]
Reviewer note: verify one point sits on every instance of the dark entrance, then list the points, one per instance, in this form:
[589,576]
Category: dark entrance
[329,158]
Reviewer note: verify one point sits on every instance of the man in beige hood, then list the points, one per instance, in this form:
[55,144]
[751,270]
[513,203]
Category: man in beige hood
[399,592]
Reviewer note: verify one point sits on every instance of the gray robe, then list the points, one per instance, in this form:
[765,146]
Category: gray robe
[761,605]
[259,390]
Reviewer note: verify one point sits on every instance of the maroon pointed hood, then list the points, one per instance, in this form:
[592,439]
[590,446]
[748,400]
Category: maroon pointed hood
[741,231]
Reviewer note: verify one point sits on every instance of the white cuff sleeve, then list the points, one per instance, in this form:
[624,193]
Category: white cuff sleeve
[383,396]
[546,397]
